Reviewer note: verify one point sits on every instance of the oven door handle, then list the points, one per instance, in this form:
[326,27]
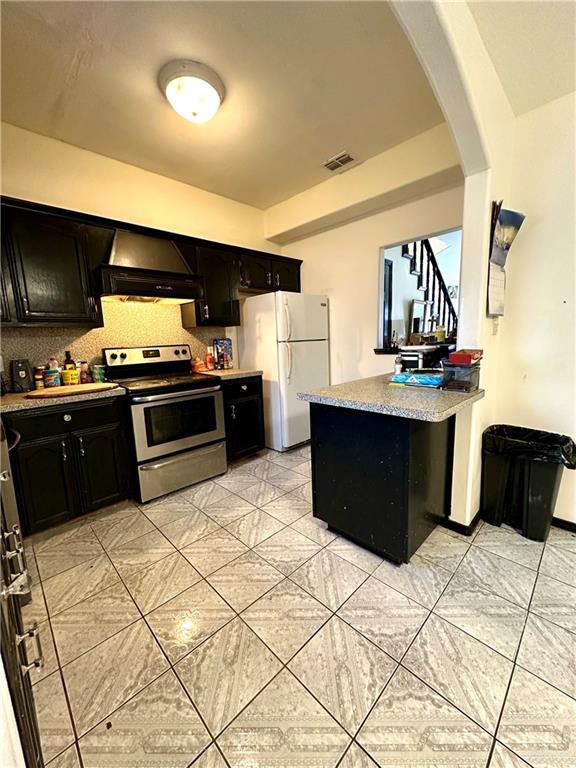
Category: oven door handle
[175,395]
[175,459]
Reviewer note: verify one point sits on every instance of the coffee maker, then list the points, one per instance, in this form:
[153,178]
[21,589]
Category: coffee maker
[21,374]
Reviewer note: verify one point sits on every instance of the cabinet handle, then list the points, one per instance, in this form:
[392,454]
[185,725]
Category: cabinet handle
[67,417]
[206,312]
[277,278]
[64,454]
[82,451]
[244,387]
[233,411]
[34,634]
[269,278]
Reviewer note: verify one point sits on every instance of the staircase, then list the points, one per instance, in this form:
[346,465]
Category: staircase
[440,309]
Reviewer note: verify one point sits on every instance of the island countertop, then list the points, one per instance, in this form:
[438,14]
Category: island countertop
[375,394]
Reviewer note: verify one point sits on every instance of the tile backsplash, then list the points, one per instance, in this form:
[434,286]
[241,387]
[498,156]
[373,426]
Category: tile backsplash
[125,325]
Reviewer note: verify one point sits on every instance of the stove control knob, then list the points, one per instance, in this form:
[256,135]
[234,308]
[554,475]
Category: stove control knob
[184,351]
[113,356]
[176,351]
[123,355]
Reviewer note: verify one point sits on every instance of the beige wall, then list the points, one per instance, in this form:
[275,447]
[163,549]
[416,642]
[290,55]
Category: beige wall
[343,263]
[537,364]
[48,171]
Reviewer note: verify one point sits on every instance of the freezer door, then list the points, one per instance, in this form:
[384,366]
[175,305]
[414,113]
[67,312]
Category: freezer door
[301,317]
[303,365]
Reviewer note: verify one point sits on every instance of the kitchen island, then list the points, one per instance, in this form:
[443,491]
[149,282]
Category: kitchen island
[382,461]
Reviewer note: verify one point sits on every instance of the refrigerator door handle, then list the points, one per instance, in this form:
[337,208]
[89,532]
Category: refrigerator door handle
[289,349]
[288,321]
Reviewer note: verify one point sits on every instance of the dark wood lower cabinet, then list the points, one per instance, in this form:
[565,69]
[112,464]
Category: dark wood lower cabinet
[104,470]
[71,460]
[244,415]
[46,482]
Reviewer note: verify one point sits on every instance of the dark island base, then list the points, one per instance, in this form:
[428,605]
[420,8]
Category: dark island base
[382,481]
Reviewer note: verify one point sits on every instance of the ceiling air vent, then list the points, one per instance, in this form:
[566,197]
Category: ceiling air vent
[341,161]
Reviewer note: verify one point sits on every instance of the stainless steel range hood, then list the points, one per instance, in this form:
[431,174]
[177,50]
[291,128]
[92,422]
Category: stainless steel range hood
[150,269]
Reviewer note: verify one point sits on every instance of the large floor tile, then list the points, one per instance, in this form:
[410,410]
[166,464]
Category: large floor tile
[229,509]
[115,530]
[549,651]
[287,508]
[510,544]
[226,672]
[304,492]
[555,601]
[214,551]
[411,725]
[443,549]
[261,493]
[344,671]
[210,758]
[244,580]
[54,722]
[135,555]
[204,494]
[355,757]
[355,554]
[329,578]
[539,722]
[161,581]
[384,616]
[67,759]
[314,528]
[284,726]
[484,615]
[78,583]
[509,580]
[502,757]
[86,624]
[60,553]
[466,672]
[239,481]
[287,550]
[190,527]
[188,619]
[560,564]
[562,538]
[255,527]
[104,678]
[167,509]
[285,618]
[287,480]
[158,728]
[419,579]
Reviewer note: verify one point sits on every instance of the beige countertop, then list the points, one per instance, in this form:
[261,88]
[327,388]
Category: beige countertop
[377,395]
[16,401]
[234,373]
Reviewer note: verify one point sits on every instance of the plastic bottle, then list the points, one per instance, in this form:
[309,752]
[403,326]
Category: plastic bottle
[398,364]
[69,371]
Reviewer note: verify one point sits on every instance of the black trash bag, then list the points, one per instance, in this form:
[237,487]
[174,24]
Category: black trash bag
[521,472]
[530,444]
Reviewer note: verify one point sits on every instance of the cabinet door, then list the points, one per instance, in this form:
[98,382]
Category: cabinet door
[244,426]
[51,270]
[104,467]
[286,276]
[255,272]
[221,274]
[7,307]
[45,474]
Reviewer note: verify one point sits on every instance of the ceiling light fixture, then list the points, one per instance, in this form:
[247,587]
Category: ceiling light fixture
[194,90]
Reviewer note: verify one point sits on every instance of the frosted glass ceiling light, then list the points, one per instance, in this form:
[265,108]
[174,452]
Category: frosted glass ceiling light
[194,90]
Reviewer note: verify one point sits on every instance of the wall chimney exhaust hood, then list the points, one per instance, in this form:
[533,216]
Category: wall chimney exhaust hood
[148,269]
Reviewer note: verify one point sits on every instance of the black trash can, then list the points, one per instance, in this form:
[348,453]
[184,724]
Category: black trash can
[521,471]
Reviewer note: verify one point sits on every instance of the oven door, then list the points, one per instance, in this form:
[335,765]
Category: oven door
[176,421]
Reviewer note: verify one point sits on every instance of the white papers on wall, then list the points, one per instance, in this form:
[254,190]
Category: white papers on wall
[505,225]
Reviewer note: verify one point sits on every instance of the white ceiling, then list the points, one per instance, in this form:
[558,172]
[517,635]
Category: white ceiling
[532,46]
[304,81]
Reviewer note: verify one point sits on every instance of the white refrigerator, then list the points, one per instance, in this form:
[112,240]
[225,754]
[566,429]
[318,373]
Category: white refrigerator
[285,335]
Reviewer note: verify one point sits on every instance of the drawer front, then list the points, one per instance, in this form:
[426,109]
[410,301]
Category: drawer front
[238,388]
[38,423]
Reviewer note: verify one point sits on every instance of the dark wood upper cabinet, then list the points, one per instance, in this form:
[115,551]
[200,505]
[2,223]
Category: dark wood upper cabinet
[51,270]
[255,272]
[286,275]
[7,305]
[220,270]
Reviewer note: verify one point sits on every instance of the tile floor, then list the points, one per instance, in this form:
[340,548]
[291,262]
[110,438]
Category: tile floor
[225,626]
